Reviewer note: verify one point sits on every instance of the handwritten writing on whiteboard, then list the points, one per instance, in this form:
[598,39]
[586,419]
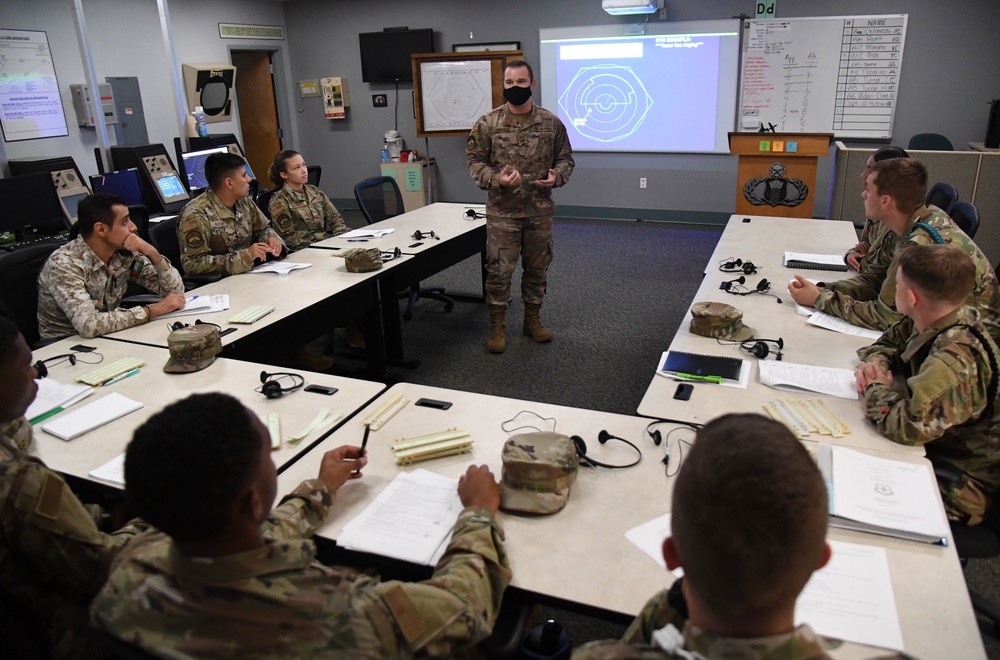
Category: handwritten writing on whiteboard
[827,74]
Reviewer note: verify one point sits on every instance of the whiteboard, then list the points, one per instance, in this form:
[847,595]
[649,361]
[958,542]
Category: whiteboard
[832,74]
[30,104]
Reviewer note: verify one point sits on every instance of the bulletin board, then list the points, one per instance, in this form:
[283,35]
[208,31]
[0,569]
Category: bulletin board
[453,90]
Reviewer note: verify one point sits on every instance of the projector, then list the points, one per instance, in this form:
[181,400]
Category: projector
[625,7]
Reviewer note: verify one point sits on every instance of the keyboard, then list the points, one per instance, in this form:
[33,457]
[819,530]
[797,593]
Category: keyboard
[100,376]
[46,239]
[252,314]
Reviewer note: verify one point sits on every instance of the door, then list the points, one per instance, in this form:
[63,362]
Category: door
[258,111]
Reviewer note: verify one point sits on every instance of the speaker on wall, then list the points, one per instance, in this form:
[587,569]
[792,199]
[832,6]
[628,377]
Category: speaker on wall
[211,86]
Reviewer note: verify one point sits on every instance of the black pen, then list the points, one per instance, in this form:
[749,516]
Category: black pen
[357,240]
[364,443]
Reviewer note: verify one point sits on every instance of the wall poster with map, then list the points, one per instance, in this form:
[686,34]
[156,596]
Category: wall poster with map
[30,104]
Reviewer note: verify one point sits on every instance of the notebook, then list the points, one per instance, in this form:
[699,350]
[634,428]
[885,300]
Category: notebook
[703,365]
[89,417]
[810,261]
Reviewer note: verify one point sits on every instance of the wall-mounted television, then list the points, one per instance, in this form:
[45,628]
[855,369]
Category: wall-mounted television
[385,56]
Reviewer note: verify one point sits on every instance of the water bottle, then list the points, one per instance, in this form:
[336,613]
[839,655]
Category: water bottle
[199,119]
[385,151]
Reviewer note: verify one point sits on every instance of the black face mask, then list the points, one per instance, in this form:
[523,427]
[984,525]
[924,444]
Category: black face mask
[517,95]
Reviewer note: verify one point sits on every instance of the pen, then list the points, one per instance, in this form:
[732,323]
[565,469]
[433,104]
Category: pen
[364,443]
[707,379]
[44,416]
[357,240]
[121,377]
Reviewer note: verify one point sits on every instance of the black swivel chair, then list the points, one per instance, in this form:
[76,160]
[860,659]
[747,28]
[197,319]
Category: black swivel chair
[930,142]
[140,217]
[19,287]
[941,195]
[379,199]
[263,201]
[315,173]
[164,235]
[966,216]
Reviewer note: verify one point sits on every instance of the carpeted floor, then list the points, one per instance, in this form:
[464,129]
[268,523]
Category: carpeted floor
[616,294]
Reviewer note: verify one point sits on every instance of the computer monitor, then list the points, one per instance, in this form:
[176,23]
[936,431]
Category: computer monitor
[124,183]
[70,202]
[30,205]
[194,166]
[170,187]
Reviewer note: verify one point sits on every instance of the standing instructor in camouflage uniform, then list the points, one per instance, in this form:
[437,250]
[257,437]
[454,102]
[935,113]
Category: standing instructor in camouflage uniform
[518,152]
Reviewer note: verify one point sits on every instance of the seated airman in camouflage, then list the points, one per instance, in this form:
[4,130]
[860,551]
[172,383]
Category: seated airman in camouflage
[82,284]
[749,528]
[53,555]
[222,230]
[229,577]
[948,361]
[301,213]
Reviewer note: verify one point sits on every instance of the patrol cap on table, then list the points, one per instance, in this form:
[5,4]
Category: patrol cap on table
[362,260]
[715,319]
[538,469]
[192,348]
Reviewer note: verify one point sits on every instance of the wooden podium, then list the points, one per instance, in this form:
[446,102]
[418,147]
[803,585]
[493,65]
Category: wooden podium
[777,172]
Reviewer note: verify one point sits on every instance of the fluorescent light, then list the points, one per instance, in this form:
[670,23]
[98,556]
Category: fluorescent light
[626,7]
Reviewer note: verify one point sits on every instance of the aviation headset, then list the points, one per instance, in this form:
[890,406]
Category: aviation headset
[602,437]
[272,388]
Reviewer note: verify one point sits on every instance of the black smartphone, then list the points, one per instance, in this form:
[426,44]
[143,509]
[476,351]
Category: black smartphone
[433,403]
[321,389]
[227,331]
[80,348]
[683,392]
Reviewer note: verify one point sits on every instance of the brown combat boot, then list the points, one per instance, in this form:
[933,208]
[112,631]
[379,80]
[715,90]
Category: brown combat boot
[533,324]
[497,343]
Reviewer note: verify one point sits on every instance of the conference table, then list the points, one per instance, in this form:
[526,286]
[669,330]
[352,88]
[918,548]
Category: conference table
[155,389]
[763,240]
[579,558]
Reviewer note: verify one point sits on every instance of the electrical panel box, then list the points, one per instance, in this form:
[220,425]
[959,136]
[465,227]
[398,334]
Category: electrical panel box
[81,103]
[336,98]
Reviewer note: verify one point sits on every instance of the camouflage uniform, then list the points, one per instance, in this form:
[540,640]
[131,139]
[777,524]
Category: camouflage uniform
[80,294]
[277,601]
[947,372]
[303,216]
[518,220]
[53,557]
[873,305]
[882,243]
[216,239]
[638,641]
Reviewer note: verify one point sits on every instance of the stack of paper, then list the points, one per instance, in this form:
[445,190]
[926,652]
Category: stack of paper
[410,520]
[882,496]
[52,394]
[366,232]
[201,305]
[824,320]
[113,471]
[279,267]
[812,261]
[91,416]
[798,377]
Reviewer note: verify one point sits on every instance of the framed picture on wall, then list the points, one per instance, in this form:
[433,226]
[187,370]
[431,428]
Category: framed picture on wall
[478,48]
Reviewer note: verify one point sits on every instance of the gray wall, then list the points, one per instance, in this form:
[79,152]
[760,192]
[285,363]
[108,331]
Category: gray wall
[953,47]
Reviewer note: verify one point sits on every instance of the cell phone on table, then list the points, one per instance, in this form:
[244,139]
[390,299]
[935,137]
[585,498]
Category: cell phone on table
[683,392]
[433,403]
[80,348]
[321,389]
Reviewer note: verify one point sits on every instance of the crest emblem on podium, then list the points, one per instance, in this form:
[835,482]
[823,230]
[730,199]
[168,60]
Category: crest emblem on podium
[776,189]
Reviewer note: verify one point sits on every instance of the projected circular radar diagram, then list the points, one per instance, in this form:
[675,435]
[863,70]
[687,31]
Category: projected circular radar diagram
[606,102]
[457,97]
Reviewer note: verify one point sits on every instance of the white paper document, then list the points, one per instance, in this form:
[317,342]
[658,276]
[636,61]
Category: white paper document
[649,538]
[885,495]
[803,377]
[410,520]
[53,394]
[112,472]
[851,598]
[200,305]
[803,310]
[279,267]
[97,413]
[824,320]
[829,259]
[365,232]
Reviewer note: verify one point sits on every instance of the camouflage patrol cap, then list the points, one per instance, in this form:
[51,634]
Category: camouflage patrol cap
[715,319]
[362,260]
[192,348]
[538,469]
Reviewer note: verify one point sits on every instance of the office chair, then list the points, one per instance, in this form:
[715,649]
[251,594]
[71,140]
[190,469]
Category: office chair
[164,235]
[379,199]
[966,216]
[315,173]
[19,287]
[941,195]
[930,142]
[263,200]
